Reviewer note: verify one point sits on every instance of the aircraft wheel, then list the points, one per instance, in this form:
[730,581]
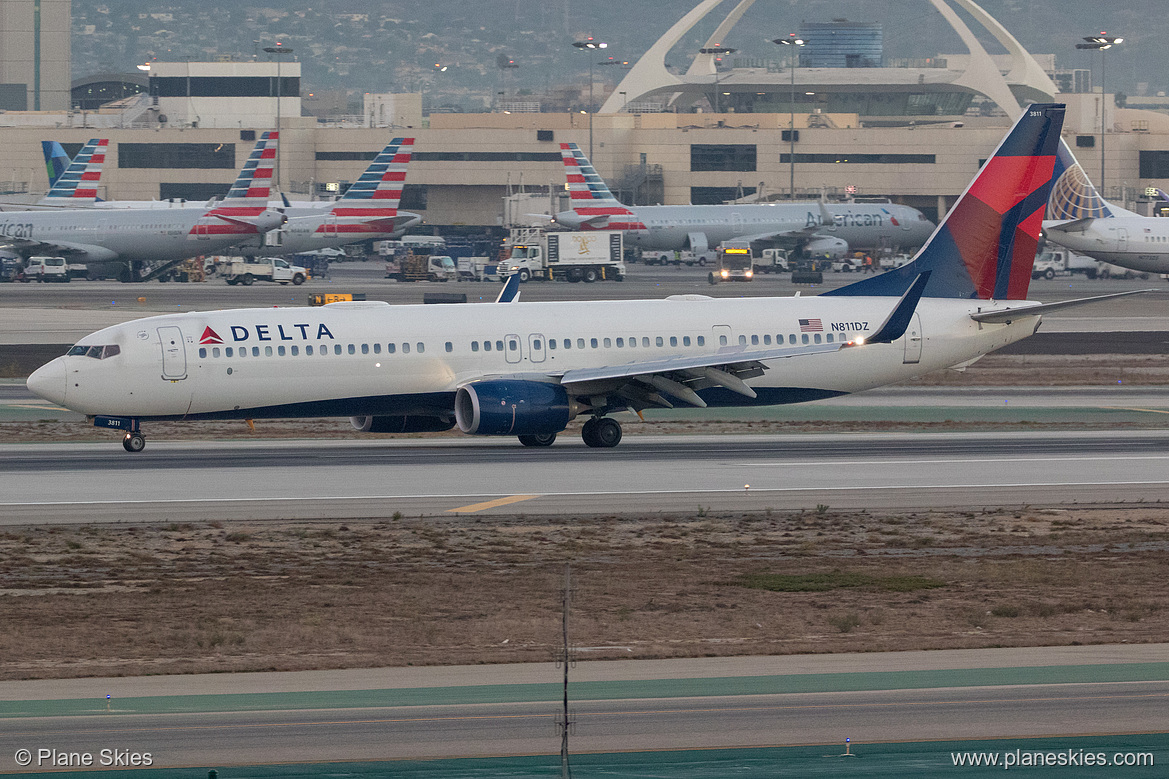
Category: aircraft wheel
[606,433]
[545,439]
[134,442]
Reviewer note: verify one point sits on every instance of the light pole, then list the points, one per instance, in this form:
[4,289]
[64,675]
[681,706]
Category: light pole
[279,50]
[791,40]
[1101,43]
[717,51]
[586,45]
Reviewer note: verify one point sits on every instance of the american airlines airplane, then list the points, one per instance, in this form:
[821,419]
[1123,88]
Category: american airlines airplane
[367,210]
[527,369]
[1081,220]
[821,229]
[96,235]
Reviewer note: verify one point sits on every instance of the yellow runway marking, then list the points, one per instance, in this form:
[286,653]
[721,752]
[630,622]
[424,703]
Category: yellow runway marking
[491,504]
[1146,410]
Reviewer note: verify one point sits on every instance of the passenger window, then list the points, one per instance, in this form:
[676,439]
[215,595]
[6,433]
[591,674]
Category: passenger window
[256,351]
[580,343]
[593,342]
[660,341]
[202,352]
[499,346]
[702,340]
[486,346]
[512,345]
[645,341]
[673,340]
[742,340]
[722,340]
[767,340]
[567,343]
[685,340]
[230,352]
[215,352]
[267,351]
[551,343]
[280,350]
[336,348]
[620,343]
[754,340]
[828,338]
[295,351]
[377,349]
[537,345]
[450,347]
[608,343]
[405,348]
[352,349]
[421,347]
[365,348]
[804,337]
[791,338]
[391,348]
[817,337]
[474,346]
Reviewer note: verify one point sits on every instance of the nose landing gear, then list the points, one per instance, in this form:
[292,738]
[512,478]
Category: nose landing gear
[601,432]
[134,442]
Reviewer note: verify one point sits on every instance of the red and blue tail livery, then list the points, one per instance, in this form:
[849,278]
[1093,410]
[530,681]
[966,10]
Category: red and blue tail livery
[77,184]
[985,247]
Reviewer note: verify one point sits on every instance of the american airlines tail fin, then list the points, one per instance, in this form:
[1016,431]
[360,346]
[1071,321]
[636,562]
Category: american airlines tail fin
[375,196]
[56,160]
[593,205]
[985,246]
[1073,196]
[253,185]
[77,184]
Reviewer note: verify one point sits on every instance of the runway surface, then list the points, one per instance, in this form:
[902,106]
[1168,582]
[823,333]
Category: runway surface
[961,695]
[55,483]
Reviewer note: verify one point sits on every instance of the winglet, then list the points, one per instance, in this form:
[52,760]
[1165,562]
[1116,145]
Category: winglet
[898,321]
[511,290]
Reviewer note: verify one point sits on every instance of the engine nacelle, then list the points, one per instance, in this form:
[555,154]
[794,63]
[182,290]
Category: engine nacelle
[826,248]
[403,424]
[512,407]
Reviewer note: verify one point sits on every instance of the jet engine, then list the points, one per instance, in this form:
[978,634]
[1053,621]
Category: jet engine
[825,247]
[402,424]
[513,407]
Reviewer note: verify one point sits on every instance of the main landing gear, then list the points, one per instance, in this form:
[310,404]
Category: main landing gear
[601,432]
[540,439]
[134,442]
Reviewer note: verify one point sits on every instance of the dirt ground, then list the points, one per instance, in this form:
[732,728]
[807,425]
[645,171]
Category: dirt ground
[99,600]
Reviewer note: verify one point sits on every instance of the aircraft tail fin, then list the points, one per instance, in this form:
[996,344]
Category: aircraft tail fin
[378,191]
[1074,196]
[253,185]
[56,160]
[985,246]
[583,182]
[77,184]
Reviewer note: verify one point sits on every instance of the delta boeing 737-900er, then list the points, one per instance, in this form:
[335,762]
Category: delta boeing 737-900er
[820,229]
[527,369]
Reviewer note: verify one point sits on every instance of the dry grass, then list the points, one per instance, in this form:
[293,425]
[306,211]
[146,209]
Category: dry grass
[80,601]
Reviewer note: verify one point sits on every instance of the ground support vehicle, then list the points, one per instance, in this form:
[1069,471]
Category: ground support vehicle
[537,253]
[1058,261]
[42,269]
[735,263]
[408,266]
[11,269]
[772,261]
[478,269]
[271,269]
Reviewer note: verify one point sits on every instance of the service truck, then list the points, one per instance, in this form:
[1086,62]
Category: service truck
[46,269]
[1058,261]
[409,266]
[735,263]
[270,269]
[536,253]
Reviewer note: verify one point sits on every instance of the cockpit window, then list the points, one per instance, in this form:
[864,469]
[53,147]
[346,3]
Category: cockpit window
[96,352]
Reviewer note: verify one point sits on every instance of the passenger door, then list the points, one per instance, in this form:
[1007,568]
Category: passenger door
[511,346]
[721,336]
[174,353]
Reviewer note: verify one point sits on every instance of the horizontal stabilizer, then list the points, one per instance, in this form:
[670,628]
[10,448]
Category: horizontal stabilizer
[1074,226]
[1006,315]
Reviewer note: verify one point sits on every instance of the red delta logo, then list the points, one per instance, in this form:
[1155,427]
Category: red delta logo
[210,337]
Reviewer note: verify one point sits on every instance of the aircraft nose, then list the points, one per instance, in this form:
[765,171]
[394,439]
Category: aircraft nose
[49,381]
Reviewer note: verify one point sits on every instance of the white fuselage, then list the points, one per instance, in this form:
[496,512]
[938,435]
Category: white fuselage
[1137,242]
[353,359]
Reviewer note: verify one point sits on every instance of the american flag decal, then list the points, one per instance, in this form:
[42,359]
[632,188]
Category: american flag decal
[811,326]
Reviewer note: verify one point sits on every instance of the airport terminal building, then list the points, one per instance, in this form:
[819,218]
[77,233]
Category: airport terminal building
[913,132]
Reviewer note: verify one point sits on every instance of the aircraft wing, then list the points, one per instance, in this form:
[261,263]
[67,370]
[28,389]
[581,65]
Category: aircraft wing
[56,248]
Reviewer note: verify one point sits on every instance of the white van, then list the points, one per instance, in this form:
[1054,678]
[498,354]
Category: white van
[46,269]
